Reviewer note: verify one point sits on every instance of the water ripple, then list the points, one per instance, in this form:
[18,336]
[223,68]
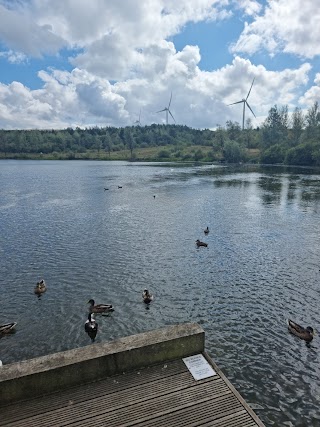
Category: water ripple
[261,267]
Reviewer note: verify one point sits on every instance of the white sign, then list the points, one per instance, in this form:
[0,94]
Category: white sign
[199,367]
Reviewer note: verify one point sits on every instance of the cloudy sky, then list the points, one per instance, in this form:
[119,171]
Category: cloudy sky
[104,62]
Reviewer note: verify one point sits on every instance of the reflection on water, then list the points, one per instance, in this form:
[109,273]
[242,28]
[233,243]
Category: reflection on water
[261,265]
[231,183]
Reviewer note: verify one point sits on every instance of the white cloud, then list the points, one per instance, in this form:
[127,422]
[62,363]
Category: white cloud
[250,7]
[20,33]
[312,94]
[124,62]
[286,26]
[14,57]
[45,26]
[199,99]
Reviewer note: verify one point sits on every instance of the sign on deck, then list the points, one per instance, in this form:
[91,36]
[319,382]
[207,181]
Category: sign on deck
[199,367]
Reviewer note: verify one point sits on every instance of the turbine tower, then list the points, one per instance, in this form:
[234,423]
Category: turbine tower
[245,103]
[138,122]
[167,110]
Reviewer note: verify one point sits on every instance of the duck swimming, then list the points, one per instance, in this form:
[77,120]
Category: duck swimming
[40,287]
[306,334]
[7,328]
[199,243]
[99,308]
[147,297]
[91,327]
[206,231]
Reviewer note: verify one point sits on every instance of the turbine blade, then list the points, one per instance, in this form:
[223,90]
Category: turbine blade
[250,89]
[250,109]
[170,100]
[160,111]
[171,115]
[239,102]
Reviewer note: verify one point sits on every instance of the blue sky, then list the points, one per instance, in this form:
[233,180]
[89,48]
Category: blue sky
[99,62]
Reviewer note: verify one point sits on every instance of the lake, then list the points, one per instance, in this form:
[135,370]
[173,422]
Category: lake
[261,265]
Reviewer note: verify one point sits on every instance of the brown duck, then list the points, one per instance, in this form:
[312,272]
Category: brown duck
[306,334]
[99,308]
[199,243]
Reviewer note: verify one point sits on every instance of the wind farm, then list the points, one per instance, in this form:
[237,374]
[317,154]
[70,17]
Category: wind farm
[167,110]
[245,103]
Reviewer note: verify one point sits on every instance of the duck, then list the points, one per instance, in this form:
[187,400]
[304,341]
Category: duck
[306,334]
[91,327]
[147,297]
[206,231]
[7,328]
[40,287]
[199,243]
[99,308]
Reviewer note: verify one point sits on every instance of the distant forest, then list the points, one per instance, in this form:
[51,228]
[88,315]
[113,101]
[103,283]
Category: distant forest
[282,139]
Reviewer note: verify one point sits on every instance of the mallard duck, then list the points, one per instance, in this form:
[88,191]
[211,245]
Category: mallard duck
[99,308]
[147,297]
[301,332]
[199,243]
[7,328]
[40,287]
[206,231]
[91,327]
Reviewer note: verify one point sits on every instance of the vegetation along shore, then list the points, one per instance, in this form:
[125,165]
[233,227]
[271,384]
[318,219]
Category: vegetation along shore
[282,139]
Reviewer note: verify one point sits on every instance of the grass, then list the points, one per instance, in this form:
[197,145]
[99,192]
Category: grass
[159,153]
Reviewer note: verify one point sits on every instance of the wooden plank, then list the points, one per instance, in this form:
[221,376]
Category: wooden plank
[100,388]
[118,408]
[198,414]
[234,391]
[159,396]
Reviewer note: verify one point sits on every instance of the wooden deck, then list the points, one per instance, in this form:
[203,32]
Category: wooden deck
[164,395]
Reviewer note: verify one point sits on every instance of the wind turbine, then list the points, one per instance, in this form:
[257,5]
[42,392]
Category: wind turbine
[167,110]
[137,122]
[245,103]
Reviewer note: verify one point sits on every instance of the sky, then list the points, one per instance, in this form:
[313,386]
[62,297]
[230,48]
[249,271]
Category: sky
[68,63]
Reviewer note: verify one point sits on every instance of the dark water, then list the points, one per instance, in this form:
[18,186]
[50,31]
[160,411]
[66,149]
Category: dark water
[261,266]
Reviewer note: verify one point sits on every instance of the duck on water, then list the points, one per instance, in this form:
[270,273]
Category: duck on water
[7,328]
[99,308]
[306,334]
[147,297]
[91,327]
[40,287]
[199,243]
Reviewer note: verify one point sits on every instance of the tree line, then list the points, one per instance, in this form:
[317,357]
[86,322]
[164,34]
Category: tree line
[281,139]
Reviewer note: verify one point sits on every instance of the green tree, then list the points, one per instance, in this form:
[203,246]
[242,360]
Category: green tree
[274,154]
[106,143]
[300,155]
[129,141]
[298,121]
[275,127]
[198,155]
[233,130]
[313,121]
[233,152]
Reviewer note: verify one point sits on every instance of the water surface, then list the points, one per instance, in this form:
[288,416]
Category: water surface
[261,265]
